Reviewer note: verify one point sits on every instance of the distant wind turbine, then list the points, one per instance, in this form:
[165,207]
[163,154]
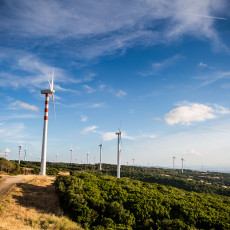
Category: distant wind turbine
[71,154]
[25,154]
[77,148]
[20,151]
[87,157]
[47,92]
[101,146]
[118,153]
[182,160]
[174,162]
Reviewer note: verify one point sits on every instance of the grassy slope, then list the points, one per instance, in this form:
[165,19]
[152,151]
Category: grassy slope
[33,205]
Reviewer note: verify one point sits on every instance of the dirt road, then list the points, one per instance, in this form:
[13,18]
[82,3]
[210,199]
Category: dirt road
[7,182]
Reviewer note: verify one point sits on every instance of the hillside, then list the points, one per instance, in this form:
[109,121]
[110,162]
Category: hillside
[33,205]
[196,181]
[103,202]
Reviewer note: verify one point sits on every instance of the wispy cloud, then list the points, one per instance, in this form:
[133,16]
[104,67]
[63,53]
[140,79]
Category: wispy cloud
[84,118]
[156,67]
[192,152]
[203,65]
[88,89]
[107,34]
[109,136]
[194,112]
[23,105]
[213,77]
[97,105]
[121,93]
[89,129]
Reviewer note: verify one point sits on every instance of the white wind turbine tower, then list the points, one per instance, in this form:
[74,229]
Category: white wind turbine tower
[7,151]
[77,148]
[174,162]
[182,160]
[57,158]
[118,153]
[101,147]
[47,92]
[87,157]
[71,154]
[20,151]
[25,154]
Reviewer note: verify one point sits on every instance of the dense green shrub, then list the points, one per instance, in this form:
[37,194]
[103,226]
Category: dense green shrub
[9,166]
[103,202]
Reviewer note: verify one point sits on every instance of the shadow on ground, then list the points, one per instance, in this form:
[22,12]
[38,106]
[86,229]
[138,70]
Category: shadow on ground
[41,198]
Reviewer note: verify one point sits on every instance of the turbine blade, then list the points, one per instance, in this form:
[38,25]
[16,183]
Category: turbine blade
[49,84]
[54,105]
[52,82]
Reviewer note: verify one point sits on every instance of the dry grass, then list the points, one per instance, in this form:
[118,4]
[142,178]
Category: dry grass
[34,205]
[64,173]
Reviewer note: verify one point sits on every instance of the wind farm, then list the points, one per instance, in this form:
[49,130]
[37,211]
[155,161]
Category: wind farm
[160,69]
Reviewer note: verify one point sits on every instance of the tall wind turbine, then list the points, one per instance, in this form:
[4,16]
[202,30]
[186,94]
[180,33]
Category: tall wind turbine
[182,160]
[87,157]
[57,158]
[71,155]
[77,148]
[174,162]
[25,154]
[118,153]
[7,151]
[101,146]
[20,151]
[47,92]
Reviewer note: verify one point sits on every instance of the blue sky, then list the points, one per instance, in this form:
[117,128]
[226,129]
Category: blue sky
[158,68]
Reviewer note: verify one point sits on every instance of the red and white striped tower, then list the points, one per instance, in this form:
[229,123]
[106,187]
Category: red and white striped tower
[47,92]
[44,140]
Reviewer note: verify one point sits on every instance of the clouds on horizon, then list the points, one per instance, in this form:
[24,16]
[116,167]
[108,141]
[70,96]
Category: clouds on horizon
[194,112]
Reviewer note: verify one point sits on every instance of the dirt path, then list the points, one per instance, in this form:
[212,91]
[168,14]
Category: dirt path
[32,205]
[8,182]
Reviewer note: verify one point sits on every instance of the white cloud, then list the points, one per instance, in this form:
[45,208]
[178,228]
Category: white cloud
[201,64]
[89,129]
[88,89]
[193,112]
[97,105]
[108,136]
[84,118]
[121,93]
[111,26]
[156,67]
[192,152]
[24,105]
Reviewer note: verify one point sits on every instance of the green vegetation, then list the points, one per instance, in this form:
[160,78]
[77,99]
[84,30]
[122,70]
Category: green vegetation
[202,182]
[9,166]
[104,202]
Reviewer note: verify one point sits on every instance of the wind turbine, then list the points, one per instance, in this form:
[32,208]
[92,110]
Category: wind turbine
[71,155]
[101,146]
[7,151]
[77,148]
[182,160]
[174,162]
[25,154]
[47,92]
[118,153]
[57,158]
[87,157]
[20,151]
